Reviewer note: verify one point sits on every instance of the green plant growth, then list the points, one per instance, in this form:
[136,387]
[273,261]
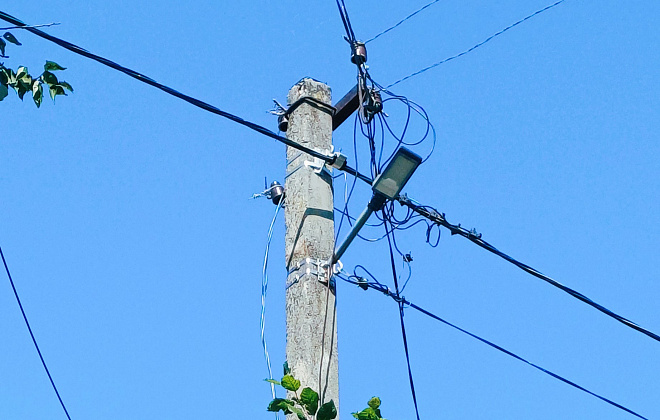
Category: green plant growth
[22,82]
[305,404]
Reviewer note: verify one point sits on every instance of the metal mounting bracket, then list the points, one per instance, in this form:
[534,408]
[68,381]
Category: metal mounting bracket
[310,267]
[318,166]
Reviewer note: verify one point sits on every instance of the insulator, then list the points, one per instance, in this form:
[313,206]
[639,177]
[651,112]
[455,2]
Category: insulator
[283,123]
[276,192]
[359,53]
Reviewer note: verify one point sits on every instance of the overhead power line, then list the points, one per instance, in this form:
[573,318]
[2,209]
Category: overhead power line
[196,102]
[403,301]
[402,20]
[490,38]
[34,340]
[403,325]
[438,218]
[343,13]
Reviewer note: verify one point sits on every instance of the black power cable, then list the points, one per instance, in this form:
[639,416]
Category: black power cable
[34,340]
[196,102]
[364,284]
[350,35]
[403,325]
[438,218]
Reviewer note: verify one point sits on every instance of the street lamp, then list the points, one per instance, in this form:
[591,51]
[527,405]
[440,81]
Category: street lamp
[387,186]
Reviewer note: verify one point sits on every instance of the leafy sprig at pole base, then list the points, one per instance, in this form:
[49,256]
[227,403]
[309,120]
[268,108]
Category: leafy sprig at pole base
[305,405]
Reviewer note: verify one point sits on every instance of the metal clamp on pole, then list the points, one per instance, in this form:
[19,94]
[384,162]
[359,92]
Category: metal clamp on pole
[338,160]
[310,267]
[283,118]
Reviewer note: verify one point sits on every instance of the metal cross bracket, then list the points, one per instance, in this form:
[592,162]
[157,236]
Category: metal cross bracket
[309,267]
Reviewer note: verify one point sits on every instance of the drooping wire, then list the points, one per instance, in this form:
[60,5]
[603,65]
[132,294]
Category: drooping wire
[196,102]
[375,131]
[347,197]
[403,325]
[34,340]
[264,291]
[402,21]
[477,45]
[375,285]
[439,218]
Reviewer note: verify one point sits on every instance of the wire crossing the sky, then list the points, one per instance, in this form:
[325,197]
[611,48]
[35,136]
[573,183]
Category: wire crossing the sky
[350,35]
[34,340]
[490,38]
[403,325]
[196,102]
[438,218]
[359,281]
[401,21]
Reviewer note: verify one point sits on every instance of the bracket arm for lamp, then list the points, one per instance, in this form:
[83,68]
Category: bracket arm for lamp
[387,186]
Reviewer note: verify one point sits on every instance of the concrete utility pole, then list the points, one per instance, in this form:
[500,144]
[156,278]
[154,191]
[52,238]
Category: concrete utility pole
[311,348]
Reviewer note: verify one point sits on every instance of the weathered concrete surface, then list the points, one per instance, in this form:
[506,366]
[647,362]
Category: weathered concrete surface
[310,234]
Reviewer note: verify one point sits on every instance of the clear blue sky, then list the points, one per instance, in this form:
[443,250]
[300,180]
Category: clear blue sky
[127,221]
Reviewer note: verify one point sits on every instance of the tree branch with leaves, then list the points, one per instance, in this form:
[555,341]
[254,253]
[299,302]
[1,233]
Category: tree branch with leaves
[22,82]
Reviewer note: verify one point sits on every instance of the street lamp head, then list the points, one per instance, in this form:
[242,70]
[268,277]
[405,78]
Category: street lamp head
[391,181]
[387,186]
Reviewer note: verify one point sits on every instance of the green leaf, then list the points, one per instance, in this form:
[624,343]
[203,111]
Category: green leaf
[272,381]
[3,91]
[21,72]
[37,93]
[310,400]
[56,90]
[298,412]
[24,86]
[11,38]
[53,66]
[374,403]
[290,383]
[287,371]
[280,404]
[328,411]
[49,78]
[3,44]
[68,87]
[10,76]
[367,414]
